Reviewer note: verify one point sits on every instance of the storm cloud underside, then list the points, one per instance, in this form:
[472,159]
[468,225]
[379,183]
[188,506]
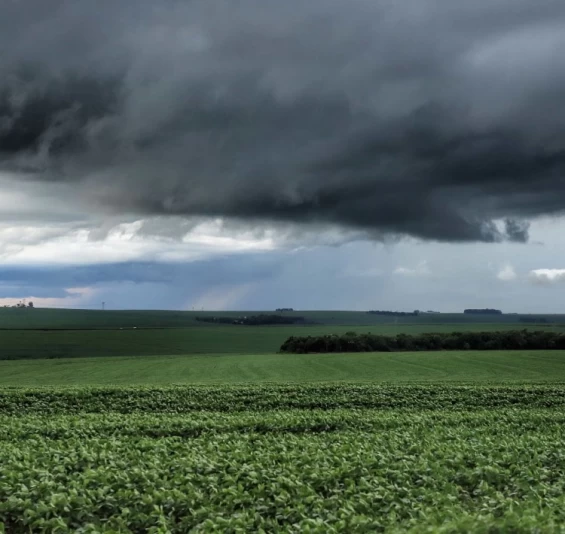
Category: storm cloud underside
[426,118]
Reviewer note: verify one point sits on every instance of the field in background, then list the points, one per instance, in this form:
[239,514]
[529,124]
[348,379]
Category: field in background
[44,333]
[66,318]
[216,339]
[469,366]
[159,347]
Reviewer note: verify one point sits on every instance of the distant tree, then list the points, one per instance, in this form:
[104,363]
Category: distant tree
[30,304]
[482,311]
[262,319]
[539,320]
[352,342]
[394,313]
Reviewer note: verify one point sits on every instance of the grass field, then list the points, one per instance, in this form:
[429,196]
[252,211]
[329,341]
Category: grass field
[216,339]
[48,333]
[483,366]
[67,318]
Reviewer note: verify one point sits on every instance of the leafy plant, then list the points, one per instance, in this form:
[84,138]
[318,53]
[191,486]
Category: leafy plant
[293,458]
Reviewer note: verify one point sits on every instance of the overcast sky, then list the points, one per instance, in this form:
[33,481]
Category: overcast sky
[256,154]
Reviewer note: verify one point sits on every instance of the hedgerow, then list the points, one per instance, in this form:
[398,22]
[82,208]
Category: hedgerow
[353,342]
[225,398]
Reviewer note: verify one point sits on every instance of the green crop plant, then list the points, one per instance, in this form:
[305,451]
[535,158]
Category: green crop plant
[283,458]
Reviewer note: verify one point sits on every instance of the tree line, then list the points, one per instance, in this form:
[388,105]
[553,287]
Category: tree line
[535,320]
[499,340]
[482,311]
[252,320]
[394,313]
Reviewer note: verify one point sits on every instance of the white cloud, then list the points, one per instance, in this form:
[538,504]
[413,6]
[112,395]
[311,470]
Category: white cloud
[420,270]
[507,274]
[547,276]
[39,245]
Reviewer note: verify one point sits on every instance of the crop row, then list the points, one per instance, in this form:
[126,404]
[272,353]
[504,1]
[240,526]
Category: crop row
[393,471]
[184,399]
[369,458]
[138,425]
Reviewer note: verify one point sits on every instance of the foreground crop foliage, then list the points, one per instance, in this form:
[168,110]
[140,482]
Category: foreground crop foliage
[295,458]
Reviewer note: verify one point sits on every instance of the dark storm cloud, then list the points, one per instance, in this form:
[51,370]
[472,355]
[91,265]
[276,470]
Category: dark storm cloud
[517,231]
[427,118]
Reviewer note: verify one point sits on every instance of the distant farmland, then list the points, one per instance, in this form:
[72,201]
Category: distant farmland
[86,319]
[211,339]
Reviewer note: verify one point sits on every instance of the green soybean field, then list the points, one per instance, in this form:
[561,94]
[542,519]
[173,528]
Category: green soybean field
[283,458]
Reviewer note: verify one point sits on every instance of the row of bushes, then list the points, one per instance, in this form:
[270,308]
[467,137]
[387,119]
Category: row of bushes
[535,320]
[352,342]
[254,320]
[394,313]
[482,311]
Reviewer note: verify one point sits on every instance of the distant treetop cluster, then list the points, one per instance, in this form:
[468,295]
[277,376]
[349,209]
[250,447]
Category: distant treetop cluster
[20,304]
[353,342]
[482,311]
[395,313]
[253,320]
[534,320]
